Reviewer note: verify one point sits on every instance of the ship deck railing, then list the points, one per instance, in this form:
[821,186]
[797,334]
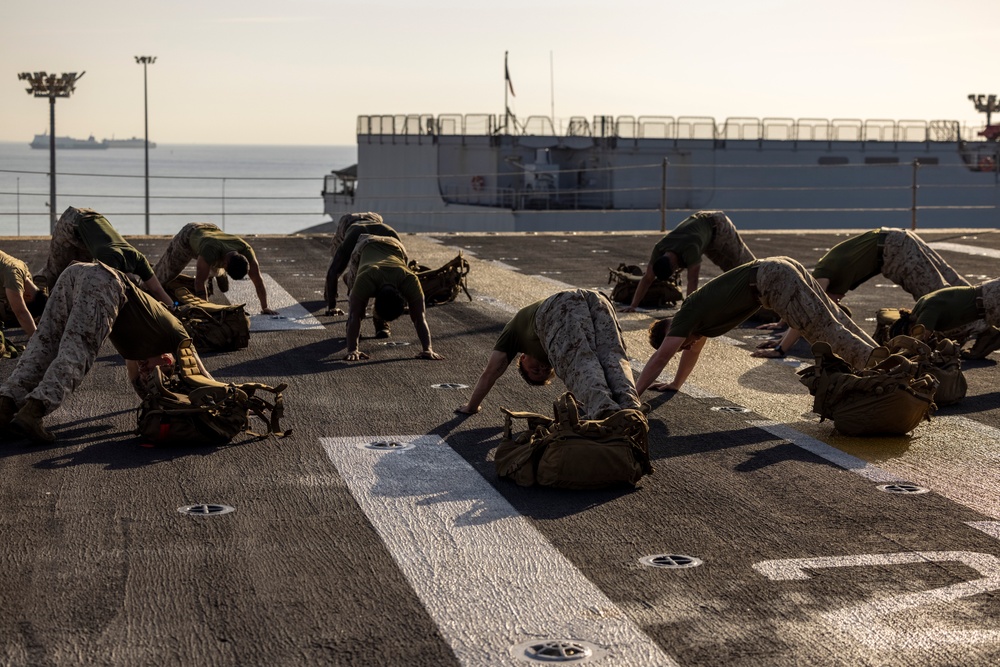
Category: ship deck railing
[420,127]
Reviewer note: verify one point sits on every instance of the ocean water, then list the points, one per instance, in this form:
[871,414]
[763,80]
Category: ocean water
[243,189]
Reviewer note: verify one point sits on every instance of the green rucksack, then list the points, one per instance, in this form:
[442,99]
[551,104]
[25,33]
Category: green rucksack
[444,284]
[888,399]
[214,327]
[572,453]
[661,294]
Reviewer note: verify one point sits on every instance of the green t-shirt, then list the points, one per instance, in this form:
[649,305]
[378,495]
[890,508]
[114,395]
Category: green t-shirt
[383,264]
[520,336]
[850,263]
[213,245]
[343,255]
[13,273]
[718,306]
[946,309]
[144,327]
[688,240]
[107,246]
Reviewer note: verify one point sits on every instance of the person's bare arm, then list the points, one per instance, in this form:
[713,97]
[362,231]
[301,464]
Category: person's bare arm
[17,305]
[496,366]
[355,313]
[419,319]
[668,348]
[156,289]
[202,270]
[689,359]
[253,272]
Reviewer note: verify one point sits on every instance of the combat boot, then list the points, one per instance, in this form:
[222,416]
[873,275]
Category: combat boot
[28,421]
[222,280]
[8,408]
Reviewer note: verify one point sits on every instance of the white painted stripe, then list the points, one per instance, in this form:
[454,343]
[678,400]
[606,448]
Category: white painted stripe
[486,576]
[825,451]
[876,622]
[966,249]
[293,316]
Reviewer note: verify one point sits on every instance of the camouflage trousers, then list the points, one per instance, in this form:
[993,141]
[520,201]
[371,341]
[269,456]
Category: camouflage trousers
[81,310]
[180,252]
[727,249]
[991,302]
[345,222]
[352,268]
[789,290]
[584,343]
[66,246]
[915,266]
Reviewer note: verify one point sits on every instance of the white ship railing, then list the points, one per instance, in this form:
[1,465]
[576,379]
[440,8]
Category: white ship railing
[425,127]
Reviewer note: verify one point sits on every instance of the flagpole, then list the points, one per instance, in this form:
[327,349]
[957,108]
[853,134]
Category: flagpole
[506,106]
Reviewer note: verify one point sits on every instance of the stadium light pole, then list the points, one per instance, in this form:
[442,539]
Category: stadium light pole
[51,86]
[144,61]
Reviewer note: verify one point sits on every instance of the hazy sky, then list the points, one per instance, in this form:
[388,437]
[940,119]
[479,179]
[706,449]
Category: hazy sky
[301,71]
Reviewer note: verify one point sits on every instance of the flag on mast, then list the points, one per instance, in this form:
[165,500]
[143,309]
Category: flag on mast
[506,74]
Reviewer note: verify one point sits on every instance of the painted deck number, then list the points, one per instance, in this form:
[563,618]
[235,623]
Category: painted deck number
[868,621]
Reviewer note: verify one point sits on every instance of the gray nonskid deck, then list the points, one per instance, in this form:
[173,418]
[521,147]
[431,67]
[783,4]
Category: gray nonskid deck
[340,554]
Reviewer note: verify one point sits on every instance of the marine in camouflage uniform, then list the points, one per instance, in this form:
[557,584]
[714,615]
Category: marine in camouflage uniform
[722,304]
[584,343]
[345,251]
[574,334]
[378,270]
[84,235]
[89,303]
[899,255]
[706,233]
[346,222]
[212,249]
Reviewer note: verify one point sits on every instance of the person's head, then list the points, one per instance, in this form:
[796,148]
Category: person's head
[534,371]
[664,267]
[658,331]
[237,266]
[389,303]
[901,327]
[36,303]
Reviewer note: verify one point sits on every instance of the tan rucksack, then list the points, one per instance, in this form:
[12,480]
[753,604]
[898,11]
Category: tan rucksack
[214,327]
[570,453]
[442,285]
[185,407]
[661,294]
[887,399]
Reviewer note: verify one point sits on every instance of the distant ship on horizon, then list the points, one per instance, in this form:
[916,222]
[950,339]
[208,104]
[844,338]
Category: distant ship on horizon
[42,141]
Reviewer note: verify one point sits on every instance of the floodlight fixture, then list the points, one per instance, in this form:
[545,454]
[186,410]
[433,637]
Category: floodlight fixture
[51,86]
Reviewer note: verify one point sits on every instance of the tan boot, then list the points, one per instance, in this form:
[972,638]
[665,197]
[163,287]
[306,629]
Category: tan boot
[28,421]
[8,408]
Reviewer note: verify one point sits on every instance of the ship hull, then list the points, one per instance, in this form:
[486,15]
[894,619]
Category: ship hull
[516,183]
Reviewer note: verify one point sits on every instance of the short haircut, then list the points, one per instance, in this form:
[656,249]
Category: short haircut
[658,331]
[663,268]
[37,304]
[531,380]
[389,303]
[237,267]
